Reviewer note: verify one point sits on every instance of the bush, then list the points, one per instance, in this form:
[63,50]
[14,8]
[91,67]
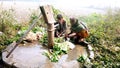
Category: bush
[8,26]
[104,37]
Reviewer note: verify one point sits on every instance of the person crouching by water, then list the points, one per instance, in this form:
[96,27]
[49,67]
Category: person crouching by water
[79,31]
[60,26]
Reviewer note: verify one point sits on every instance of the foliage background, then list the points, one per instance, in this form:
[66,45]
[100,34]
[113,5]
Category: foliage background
[104,38]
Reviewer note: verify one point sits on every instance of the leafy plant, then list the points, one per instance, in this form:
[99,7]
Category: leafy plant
[59,40]
[39,29]
[81,59]
[103,37]
[54,57]
[44,39]
[58,49]
[7,26]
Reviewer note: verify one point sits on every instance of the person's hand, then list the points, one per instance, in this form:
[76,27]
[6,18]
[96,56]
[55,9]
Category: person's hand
[66,35]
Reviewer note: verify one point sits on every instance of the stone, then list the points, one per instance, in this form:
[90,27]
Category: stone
[31,37]
[31,55]
[1,33]
[90,51]
[71,45]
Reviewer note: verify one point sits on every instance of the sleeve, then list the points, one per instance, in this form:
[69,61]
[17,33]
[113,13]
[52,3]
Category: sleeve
[56,24]
[65,27]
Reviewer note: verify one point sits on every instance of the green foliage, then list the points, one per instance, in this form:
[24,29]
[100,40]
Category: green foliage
[104,37]
[56,11]
[8,26]
[52,56]
[59,40]
[35,29]
[44,39]
[1,49]
[35,15]
[6,41]
[92,18]
[3,37]
[39,29]
[60,47]
[7,21]
[81,59]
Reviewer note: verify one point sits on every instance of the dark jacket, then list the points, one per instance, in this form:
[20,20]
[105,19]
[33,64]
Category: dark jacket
[61,28]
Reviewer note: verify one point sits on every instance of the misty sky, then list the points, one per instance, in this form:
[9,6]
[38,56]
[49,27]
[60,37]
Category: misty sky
[76,3]
[67,6]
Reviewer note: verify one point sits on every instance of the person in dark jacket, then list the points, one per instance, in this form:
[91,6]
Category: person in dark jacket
[79,31]
[60,26]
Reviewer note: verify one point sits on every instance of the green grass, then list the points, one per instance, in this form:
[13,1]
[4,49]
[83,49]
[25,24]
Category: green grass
[104,37]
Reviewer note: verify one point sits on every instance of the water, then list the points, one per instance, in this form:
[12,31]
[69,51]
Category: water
[30,55]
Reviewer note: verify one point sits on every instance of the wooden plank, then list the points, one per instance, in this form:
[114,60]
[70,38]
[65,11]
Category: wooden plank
[49,19]
[50,35]
[47,14]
